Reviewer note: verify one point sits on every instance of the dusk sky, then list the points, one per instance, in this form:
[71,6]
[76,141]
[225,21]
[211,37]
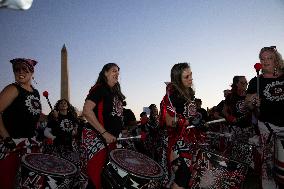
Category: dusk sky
[219,38]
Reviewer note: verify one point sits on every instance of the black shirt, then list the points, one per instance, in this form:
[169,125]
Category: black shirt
[21,117]
[108,109]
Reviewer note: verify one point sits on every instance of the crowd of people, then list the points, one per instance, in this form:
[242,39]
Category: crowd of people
[177,132]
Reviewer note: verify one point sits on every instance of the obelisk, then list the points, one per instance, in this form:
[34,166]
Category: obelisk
[64,75]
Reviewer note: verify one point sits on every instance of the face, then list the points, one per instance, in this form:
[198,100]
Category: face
[22,73]
[112,76]
[186,77]
[63,105]
[155,110]
[268,62]
[242,84]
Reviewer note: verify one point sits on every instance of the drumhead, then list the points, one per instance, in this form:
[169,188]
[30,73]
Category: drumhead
[49,165]
[136,164]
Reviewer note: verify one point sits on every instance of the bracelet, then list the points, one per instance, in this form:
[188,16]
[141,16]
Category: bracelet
[103,132]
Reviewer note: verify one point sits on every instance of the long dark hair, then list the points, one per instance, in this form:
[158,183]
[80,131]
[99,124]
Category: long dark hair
[176,73]
[103,80]
[236,80]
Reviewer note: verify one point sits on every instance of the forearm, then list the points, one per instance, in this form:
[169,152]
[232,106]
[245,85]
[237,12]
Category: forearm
[92,119]
[3,132]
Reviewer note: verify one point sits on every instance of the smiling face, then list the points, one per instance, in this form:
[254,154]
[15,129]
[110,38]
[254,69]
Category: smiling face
[22,73]
[112,76]
[186,77]
[268,62]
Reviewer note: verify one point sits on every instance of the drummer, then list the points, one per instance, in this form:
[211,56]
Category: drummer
[178,110]
[103,109]
[268,105]
[20,110]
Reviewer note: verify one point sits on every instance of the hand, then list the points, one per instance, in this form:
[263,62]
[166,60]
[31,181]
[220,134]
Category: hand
[9,143]
[55,114]
[231,119]
[109,137]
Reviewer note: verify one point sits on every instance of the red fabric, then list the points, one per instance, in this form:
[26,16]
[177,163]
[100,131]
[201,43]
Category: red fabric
[9,167]
[96,164]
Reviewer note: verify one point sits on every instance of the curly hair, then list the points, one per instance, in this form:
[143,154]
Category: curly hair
[71,110]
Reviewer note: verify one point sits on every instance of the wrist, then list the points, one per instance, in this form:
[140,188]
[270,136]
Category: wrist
[102,133]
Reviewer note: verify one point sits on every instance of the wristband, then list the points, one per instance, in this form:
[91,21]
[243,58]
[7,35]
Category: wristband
[103,132]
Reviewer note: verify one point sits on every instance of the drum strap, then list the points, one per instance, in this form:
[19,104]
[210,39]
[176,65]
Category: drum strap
[270,132]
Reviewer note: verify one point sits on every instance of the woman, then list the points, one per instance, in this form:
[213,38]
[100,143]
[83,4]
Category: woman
[178,110]
[20,109]
[103,109]
[268,106]
[63,124]
[236,112]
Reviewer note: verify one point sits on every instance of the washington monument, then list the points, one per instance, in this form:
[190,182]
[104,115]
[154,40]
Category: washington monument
[64,75]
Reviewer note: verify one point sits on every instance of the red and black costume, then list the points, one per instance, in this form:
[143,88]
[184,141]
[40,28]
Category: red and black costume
[109,112]
[20,119]
[175,138]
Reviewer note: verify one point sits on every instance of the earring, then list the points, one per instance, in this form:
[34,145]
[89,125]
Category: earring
[275,71]
[34,80]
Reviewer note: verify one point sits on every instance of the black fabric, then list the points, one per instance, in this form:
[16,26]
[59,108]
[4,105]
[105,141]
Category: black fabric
[63,128]
[108,109]
[182,174]
[21,116]
[238,109]
[272,98]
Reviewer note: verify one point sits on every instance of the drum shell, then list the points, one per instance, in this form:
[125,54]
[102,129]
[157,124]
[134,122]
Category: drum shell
[279,157]
[114,177]
[33,177]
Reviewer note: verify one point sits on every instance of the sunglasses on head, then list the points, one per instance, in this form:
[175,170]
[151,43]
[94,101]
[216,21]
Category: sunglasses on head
[271,48]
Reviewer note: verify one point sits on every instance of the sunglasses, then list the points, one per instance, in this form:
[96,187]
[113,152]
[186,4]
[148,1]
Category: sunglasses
[271,48]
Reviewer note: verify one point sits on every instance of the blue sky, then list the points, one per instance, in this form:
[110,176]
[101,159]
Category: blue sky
[219,38]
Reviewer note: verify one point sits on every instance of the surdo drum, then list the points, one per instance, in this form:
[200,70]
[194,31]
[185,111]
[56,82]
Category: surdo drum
[130,169]
[279,157]
[45,171]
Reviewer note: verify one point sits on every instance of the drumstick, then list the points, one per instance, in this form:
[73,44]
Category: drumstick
[215,121]
[45,94]
[142,136]
[209,122]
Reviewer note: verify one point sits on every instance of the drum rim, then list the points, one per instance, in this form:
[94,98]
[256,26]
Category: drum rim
[45,173]
[159,176]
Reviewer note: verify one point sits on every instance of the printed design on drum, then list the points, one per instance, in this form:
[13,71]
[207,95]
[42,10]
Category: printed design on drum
[33,181]
[136,163]
[92,143]
[215,172]
[33,104]
[274,91]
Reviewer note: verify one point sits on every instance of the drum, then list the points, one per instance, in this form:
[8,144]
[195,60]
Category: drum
[217,172]
[130,169]
[245,153]
[218,142]
[279,157]
[46,172]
